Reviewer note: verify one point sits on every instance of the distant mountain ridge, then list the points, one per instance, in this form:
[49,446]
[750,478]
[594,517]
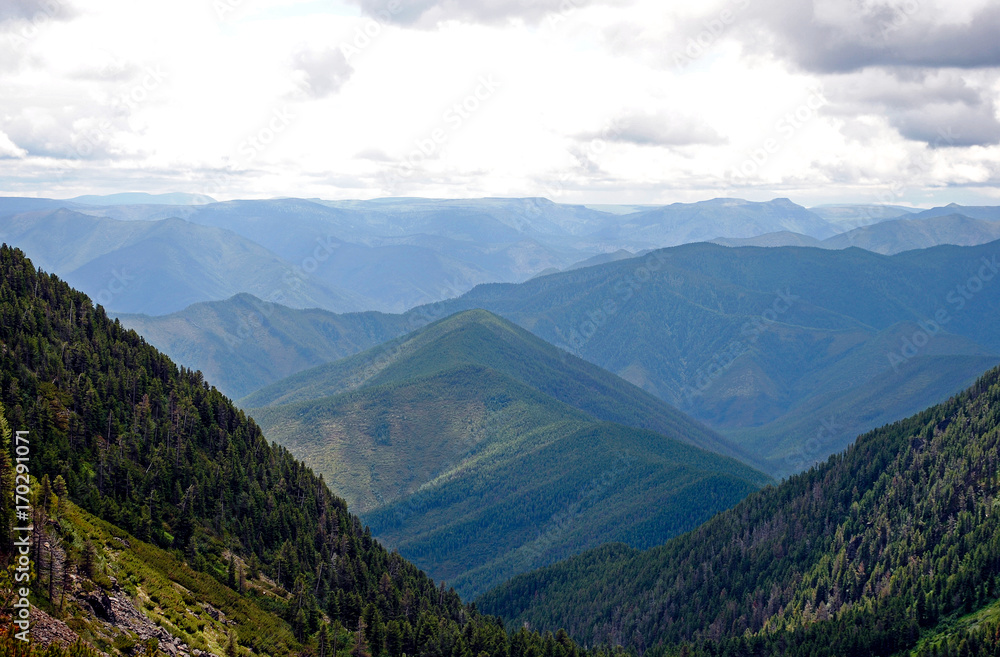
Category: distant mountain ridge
[682,223]
[393,254]
[889,237]
[244,343]
[142,198]
[162,266]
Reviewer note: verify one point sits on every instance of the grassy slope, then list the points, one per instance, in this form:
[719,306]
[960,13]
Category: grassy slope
[170,594]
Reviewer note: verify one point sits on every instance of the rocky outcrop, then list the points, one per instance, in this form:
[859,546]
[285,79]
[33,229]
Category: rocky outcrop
[48,630]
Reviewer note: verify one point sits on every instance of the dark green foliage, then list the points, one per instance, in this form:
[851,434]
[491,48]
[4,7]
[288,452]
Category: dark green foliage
[858,556]
[571,487]
[155,450]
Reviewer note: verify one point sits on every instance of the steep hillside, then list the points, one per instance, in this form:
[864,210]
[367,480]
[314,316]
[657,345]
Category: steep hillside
[153,450]
[889,541]
[554,491]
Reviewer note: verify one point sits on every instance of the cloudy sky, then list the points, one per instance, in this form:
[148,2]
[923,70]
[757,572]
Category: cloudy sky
[600,101]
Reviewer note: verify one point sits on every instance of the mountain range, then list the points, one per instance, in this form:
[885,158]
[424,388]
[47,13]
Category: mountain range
[699,327]
[164,265]
[891,236]
[391,255]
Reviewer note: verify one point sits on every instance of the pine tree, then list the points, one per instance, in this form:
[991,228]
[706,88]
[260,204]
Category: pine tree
[59,488]
[360,648]
[232,646]
[323,640]
[89,559]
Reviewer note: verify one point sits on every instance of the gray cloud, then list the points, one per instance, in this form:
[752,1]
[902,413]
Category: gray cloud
[825,36]
[950,124]
[51,134]
[324,72]
[939,108]
[431,12]
[373,154]
[650,129]
[90,128]
[35,11]
[930,78]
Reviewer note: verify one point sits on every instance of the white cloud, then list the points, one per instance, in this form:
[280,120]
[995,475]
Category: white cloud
[8,149]
[280,97]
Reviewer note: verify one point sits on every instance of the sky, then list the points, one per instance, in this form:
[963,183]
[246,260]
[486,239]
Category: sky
[579,101]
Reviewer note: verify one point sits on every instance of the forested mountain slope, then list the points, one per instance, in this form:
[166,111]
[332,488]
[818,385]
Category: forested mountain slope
[860,555]
[157,452]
